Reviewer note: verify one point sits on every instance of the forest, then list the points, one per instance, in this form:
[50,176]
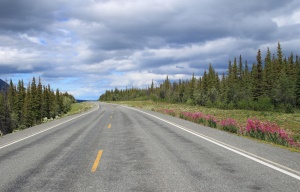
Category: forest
[22,107]
[272,83]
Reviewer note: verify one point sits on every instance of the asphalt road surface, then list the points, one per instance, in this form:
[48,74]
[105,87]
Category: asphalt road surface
[116,148]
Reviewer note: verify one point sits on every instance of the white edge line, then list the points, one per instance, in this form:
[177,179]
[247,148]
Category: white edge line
[48,128]
[224,146]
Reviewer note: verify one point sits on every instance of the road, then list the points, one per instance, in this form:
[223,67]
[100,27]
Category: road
[117,148]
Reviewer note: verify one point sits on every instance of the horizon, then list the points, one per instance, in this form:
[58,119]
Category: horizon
[86,48]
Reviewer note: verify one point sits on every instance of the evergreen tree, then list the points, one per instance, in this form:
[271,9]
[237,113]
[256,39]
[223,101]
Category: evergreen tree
[268,73]
[211,78]
[278,63]
[234,71]
[297,91]
[28,113]
[2,116]
[12,96]
[152,87]
[21,94]
[240,68]
[205,82]
[5,120]
[257,76]
[34,101]
[39,101]
[291,67]
[189,91]
[59,102]
[12,104]
[223,89]
[279,53]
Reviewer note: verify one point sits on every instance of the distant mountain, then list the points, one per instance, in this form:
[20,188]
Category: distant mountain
[3,85]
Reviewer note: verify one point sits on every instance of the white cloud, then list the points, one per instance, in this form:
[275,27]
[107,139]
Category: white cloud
[13,56]
[290,19]
[64,31]
[32,39]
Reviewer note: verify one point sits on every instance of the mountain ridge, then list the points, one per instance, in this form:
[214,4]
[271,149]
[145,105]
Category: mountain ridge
[3,85]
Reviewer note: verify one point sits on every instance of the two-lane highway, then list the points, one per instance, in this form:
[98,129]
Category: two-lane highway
[116,148]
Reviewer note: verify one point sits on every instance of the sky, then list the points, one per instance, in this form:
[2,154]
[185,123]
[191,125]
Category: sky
[85,47]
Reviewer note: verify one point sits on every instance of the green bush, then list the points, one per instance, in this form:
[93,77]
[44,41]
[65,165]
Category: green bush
[244,104]
[289,108]
[190,102]
[264,104]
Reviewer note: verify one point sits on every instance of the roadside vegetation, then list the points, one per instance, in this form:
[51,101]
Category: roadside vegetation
[274,127]
[262,101]
[22,107]
[79,107]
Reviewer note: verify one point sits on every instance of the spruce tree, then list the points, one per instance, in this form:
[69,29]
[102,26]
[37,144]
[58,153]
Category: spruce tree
[234,71]
[291,67]
[240,68]
[268,73]
[257,76]
[279,54]
[39,101]
[28,113]
[21,94]
[190,88]
[211,78]
[297,91]
[5,120]
[33,100]
[223,89]
[2,116]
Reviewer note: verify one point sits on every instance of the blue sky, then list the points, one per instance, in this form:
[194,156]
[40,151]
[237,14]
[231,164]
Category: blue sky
[88,46]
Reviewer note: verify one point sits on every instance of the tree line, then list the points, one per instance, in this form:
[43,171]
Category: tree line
[22,107]
[272,83]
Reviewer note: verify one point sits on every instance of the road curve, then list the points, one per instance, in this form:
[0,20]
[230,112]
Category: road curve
[117,148]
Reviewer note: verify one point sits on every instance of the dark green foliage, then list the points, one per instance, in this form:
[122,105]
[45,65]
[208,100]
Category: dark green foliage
[257,78]
[297,90]
[22,107]
[5,121]
[271,84]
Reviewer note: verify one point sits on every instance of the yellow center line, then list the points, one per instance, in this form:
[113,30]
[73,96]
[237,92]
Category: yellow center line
[97,160]
[109,125]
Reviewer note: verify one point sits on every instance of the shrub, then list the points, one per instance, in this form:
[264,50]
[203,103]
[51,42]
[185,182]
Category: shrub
[190,102]
[264,104]
[243,104]
[289,108]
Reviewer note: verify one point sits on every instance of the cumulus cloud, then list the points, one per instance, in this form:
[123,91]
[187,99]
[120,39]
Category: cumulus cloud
[86,47]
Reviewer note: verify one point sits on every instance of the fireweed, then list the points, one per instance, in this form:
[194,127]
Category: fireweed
[229,125]
[266,131]
[212,121]
[200,118]
[170,112]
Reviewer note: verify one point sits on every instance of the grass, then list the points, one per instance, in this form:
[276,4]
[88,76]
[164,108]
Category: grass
[79,107]
[289,122]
